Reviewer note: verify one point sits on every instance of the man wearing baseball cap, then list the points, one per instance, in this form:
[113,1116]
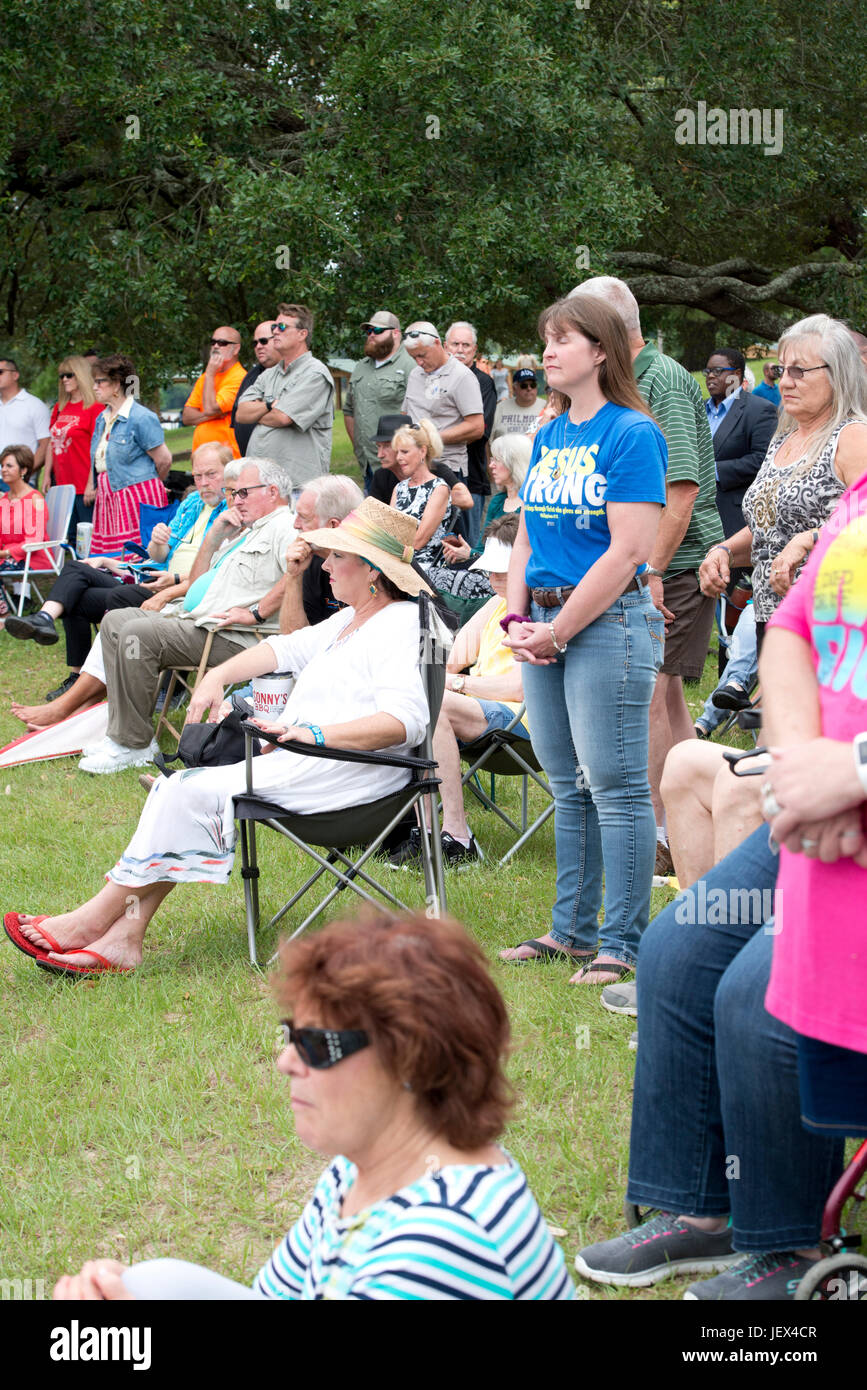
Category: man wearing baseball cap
[518,416]
[377,386]
[442,389]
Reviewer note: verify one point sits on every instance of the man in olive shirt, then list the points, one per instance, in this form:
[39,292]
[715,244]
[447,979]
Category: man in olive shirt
[292,403]
[377,387]
[690,525]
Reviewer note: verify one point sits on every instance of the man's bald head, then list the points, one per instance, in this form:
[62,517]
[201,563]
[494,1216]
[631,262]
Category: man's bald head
[226,341]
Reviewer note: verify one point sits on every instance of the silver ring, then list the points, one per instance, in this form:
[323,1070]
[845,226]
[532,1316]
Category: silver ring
[808,844]
[849,834]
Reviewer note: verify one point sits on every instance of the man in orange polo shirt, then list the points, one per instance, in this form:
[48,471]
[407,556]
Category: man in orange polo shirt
[209,404]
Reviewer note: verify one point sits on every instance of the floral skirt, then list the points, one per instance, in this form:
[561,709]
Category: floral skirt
[116,514]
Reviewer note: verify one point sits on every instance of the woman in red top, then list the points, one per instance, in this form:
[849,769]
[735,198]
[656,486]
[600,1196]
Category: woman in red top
[22,519]
[72,422]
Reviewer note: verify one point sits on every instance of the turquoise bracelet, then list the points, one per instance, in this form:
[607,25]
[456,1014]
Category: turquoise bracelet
[315,730]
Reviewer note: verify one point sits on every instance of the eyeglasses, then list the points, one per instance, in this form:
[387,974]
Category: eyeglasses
[262,341]
[282,328]
[243,492]
[369,328]
[420,333]
[321,1048]
[718,371]
[797,373]
[100,380]
[223,342]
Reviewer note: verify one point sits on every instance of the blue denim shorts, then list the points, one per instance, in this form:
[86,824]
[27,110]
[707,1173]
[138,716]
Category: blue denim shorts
[500,717]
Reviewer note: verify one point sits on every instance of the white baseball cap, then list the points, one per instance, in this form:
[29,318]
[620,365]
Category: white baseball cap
[494,558]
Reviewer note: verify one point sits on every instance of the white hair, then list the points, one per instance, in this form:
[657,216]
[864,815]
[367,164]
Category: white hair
[618,295]
[271,474]
[336,496]
[513,452]
[232,471]
[845,373]
[461,323]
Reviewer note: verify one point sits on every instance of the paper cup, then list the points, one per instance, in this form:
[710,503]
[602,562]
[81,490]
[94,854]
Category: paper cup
[83,538]
[270,694]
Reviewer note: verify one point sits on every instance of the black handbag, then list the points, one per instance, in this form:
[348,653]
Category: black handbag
[211,745]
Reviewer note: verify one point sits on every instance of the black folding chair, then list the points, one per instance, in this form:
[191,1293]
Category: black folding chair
[342,832]
[504,753]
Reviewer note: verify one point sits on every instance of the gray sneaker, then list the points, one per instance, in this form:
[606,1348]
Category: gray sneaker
[621,999]
[754,1278]
[659,1247]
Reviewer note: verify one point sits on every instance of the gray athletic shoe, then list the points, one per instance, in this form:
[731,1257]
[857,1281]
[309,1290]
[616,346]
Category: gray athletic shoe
[754,1278]
[621,999]
[633,1041]
[659,1247]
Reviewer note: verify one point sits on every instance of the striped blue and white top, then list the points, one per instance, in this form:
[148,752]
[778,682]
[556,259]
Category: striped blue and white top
[465,1231]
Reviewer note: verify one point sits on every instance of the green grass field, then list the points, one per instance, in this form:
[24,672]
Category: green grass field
[145,1115]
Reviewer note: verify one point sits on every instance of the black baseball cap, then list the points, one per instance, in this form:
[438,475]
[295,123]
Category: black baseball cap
[389,425]
[524,374]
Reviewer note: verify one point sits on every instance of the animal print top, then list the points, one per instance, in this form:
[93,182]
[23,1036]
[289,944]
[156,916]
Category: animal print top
[779,503]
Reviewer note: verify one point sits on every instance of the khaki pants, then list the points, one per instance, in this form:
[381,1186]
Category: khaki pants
[136,647]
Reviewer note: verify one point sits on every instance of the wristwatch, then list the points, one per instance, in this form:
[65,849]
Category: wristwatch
[458,683]
[257,616]
[659,574]
[859,748]
[269,405]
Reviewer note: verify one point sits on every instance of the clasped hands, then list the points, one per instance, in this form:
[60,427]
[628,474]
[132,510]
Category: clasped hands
[531,642]
[820,817]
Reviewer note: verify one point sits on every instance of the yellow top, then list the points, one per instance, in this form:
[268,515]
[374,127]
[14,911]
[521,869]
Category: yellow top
[494,659]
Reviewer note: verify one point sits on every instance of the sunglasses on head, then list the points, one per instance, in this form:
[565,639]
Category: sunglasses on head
[369,328]
[420,333]
[320,1048]
[263,341]
[223,342]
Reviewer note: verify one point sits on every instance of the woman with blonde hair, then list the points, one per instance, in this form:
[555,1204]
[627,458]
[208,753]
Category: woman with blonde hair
[73,417]
[422,495]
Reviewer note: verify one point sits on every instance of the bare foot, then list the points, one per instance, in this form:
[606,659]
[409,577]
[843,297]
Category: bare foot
[599,976]
[118,945]
[70,929]
[52,713]
[527,952]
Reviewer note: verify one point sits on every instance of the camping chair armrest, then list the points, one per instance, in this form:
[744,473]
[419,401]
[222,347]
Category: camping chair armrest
[342,755]
[46,545]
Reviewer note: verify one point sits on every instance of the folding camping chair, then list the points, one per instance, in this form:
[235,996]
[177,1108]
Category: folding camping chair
[59,502]
[188,679]
[341,832]
[504,753]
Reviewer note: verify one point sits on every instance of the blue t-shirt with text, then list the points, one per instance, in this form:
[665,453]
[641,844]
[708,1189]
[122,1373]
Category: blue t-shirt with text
[619,455]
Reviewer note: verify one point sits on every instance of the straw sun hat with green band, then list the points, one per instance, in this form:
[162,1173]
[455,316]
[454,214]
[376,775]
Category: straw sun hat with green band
[382,536]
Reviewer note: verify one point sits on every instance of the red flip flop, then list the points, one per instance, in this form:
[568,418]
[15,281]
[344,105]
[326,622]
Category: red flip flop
[12,928]
[103,966]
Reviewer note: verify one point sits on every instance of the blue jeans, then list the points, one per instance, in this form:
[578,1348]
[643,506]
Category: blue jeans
[588,713]
[716,1117]
[741,667]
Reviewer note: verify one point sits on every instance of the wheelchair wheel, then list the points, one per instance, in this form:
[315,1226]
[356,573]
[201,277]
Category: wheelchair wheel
[841,1277]
[636,1215]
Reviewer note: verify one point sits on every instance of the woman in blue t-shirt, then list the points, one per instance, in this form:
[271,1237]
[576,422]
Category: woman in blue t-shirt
[580,616]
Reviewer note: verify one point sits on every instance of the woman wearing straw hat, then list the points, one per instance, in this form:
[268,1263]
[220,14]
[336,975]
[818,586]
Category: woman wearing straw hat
[358,686]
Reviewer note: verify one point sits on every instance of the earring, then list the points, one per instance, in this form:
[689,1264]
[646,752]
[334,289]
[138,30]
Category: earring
[372,588]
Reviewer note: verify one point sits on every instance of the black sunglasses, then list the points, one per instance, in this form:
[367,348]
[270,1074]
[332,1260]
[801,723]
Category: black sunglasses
[223,342]
[242,491]
[263,341]
[66,376]
[369,328]
[323,1047]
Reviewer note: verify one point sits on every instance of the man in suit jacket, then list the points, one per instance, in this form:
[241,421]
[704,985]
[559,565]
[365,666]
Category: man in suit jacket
[741,426]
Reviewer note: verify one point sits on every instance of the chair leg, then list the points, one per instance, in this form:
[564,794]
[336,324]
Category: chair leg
[250,877]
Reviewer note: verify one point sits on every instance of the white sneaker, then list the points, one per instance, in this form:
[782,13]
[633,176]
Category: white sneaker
[109,756]
[621,999]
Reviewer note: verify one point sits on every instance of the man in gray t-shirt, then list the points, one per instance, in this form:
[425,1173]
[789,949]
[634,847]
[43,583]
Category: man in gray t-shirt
[292,404]
[442,389]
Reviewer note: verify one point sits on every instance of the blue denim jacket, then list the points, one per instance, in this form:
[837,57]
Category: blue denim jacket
[127,458]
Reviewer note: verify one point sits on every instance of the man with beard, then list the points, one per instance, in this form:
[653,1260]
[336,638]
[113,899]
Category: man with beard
[266,355]
[377,387]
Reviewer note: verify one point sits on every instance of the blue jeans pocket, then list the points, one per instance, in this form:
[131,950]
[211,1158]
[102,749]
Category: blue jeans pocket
[656,628]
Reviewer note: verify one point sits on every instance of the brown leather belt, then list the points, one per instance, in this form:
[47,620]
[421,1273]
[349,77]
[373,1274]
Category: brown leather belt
[555,598]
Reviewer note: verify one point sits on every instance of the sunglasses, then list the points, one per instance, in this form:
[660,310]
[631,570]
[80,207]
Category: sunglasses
[66,376]
[243,492]
[223,342]
[798,373]
[262,341]
[282,328]
[321,1048]
[369,328]
[420,333]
